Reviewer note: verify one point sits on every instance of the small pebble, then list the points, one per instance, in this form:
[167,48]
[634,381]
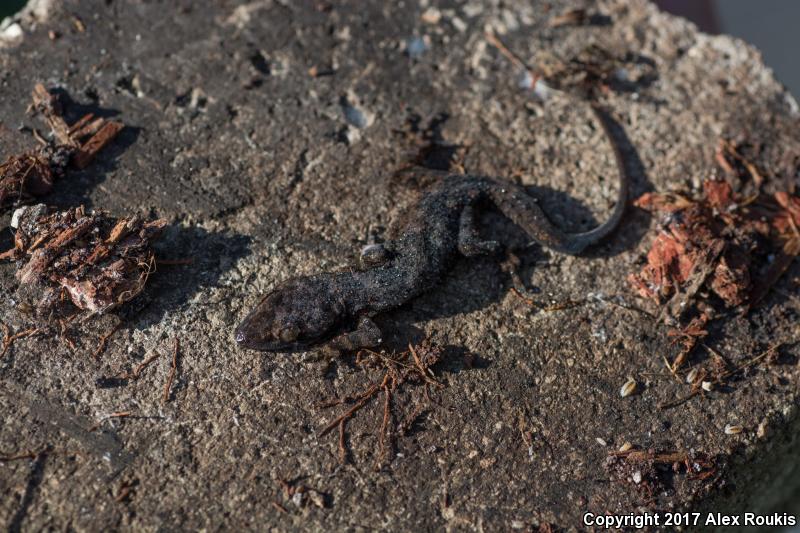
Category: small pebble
[431,16]
[297,498]
[355,116]
[416,46]
[625,447]
[316,498]
[17,216]
[458,24]
[622,74]
[637,477]
[525,80]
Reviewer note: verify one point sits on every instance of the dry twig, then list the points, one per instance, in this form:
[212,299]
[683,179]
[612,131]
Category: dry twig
[172,372]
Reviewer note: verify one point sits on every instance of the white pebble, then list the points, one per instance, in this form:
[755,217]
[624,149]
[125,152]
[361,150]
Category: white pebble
[12,32]
[459,24]
[541,90]
[17,216]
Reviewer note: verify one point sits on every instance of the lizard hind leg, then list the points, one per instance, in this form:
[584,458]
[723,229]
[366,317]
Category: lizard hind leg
[469,241]
[366,335]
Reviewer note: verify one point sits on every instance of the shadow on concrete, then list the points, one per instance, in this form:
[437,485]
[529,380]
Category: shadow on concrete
[192,259]
[34,482]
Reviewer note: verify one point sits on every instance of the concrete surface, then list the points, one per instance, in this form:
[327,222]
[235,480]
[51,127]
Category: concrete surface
[267,172]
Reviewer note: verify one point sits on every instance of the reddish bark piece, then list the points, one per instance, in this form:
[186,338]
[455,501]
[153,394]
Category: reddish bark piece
[49,105]
[731,278]
[718,194]
[88,129]
[788,220]
[80,123]
[88,151]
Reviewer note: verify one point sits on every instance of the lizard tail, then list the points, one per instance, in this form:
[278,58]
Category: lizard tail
[575,243]
[525,211]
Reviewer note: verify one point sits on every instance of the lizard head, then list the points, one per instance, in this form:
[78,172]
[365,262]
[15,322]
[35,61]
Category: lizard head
[297,314]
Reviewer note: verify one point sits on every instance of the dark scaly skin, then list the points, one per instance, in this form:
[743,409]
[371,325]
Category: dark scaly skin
[304,312]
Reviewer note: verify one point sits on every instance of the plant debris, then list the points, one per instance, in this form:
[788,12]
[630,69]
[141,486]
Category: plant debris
[722,251]
[650,471]
[99,262]
[301,496]
[688,336]
[596,69]
[120,414]
[411,366]
[125,376]
[578,17]
[720,376]
[715,254]
[571,17]
[126,490]
[9,339]
[32,173]
[28,454]
[172,371]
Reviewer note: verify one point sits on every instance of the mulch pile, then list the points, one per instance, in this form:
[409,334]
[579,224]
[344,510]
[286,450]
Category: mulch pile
[31,174]
[98,261]
[721,251]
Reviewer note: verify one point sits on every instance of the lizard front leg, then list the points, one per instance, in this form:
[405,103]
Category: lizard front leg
[366,335]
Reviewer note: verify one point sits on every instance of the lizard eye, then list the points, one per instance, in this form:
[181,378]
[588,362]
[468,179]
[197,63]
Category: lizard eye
[289,333]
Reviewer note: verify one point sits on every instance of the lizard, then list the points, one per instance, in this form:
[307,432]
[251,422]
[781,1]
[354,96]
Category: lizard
[334,310]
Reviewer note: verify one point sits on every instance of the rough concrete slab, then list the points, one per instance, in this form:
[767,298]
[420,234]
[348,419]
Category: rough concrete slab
[267,172]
